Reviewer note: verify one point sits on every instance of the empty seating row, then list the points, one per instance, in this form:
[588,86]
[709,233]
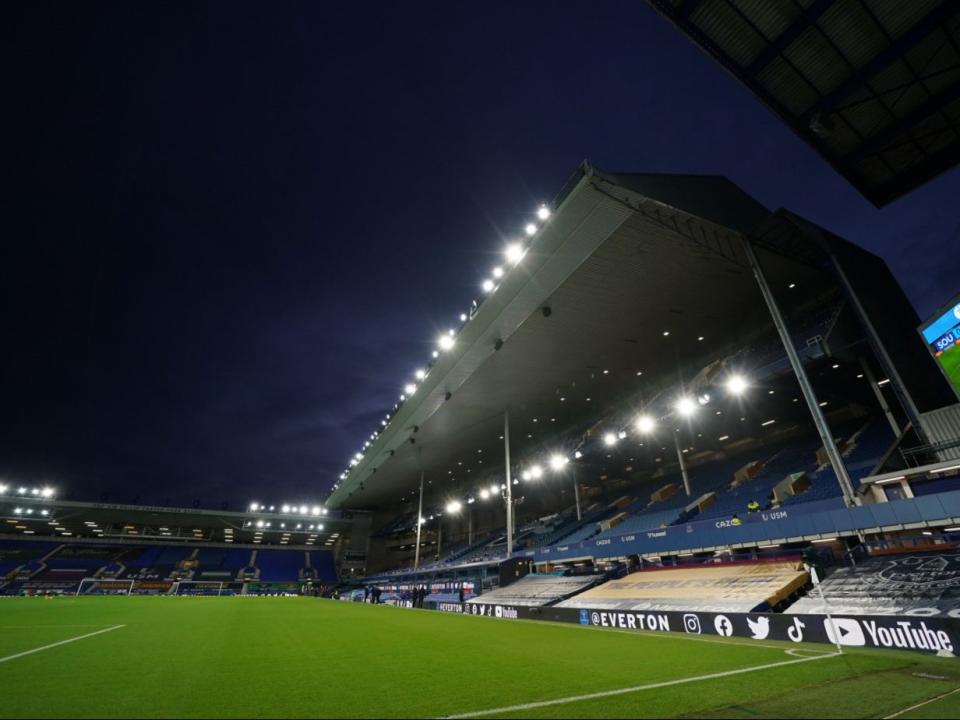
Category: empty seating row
[726,587]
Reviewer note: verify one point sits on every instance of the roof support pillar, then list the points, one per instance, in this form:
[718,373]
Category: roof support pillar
[508,496]
[576,495]
[829,444]
[683,464]
[878,393]
[903,395]
[416,552]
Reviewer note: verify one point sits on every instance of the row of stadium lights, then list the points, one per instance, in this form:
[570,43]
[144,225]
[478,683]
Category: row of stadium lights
[267,524]
[644,425]
[315,510]
[36,492]
[513,253]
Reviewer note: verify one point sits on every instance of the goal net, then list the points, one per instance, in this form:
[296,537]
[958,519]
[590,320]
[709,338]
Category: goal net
[207,587]
[98,586]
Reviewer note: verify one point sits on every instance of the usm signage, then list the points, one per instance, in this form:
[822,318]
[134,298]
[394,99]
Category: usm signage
[896,632]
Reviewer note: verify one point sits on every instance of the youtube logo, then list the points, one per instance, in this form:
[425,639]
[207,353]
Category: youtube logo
[845,631]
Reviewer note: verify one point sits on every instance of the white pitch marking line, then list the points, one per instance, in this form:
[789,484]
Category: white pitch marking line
[57,644]
[925,702]
[637,688]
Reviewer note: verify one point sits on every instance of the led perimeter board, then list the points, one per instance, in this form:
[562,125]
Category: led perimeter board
[941,333]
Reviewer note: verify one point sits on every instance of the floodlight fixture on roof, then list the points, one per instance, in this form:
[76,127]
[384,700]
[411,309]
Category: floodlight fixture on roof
[645,424]
[685,406]
[737,384]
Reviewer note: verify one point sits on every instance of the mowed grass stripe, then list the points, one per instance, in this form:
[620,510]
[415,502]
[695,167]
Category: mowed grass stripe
[302,657]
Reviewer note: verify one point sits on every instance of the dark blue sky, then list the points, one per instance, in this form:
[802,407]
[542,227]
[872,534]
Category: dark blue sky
[233,230]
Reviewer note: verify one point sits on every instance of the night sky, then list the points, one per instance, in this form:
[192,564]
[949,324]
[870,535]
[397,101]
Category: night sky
[231,232]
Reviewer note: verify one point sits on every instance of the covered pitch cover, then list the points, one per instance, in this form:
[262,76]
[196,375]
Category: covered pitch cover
[942,335]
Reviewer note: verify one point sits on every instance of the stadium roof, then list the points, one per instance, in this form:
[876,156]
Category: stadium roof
[580,322]
[873,86]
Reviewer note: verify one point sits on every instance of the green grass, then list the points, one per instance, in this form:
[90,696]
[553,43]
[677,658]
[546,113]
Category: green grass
[950,360]
[302,657]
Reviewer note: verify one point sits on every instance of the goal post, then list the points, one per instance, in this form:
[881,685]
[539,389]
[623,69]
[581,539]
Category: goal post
[208,588]
[104,586]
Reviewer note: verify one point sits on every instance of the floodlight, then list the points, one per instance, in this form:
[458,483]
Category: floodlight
[645,424]
[454,506]
[736,384]
[304,510]
[703,398]
[525,475]
[543,212]
[254,507]
[3,489]
[686,406]
[498,272]
[420,374]
[487,285]
[320,526]
[259,523]
[622,435]
[34,491]
[530,229]
[610,439]
[21,491]
[445,342]
[514,253]
[484,494]
[284,508]
[409,388]
[46,492]
[558,462]
[578,455]
[315,510]
[494,489]
[536,472]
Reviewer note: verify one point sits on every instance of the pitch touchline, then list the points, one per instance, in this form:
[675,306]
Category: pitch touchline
[636,688]
[57,644]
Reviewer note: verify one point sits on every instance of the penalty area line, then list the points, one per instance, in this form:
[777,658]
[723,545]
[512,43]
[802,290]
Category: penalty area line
[58,644]
[636,688]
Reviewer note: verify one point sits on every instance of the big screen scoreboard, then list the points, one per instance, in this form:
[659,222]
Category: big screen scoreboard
[942,335]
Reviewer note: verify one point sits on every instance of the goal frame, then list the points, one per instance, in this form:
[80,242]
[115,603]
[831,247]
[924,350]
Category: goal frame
[94,580]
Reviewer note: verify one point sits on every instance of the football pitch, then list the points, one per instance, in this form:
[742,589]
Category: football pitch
[304,657]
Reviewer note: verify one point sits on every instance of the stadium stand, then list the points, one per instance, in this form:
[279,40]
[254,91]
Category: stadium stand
[721,587]
[537,590]
[31,566]
[280,565]
[920,583]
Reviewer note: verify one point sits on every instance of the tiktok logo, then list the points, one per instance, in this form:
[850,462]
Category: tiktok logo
[796,630]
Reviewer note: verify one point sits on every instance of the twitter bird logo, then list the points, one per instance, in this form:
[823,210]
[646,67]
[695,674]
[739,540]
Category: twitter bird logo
[759,628]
